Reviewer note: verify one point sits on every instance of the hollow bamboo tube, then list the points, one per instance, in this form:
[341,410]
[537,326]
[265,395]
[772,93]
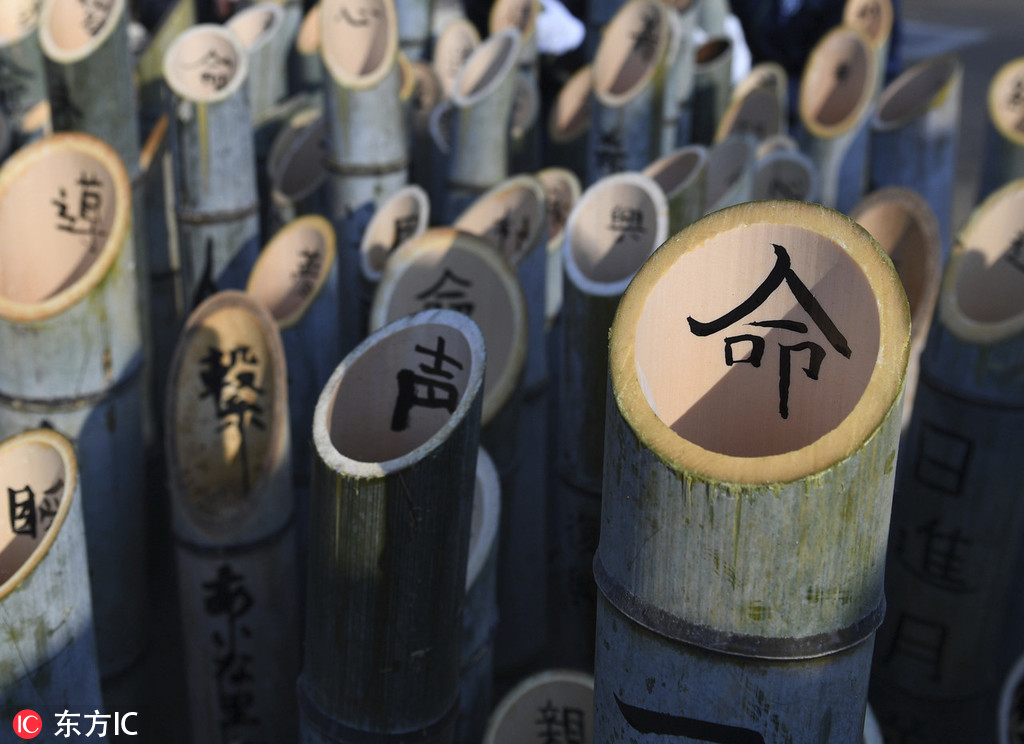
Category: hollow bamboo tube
[771,77]
[294,15]
[730,179]
[561,192]
[480,613]
[21,58]
[569,122]
[875,19]
[835,101]
[785,174]
[71,303]
[441,124]
[522,16]
[682,176]
[454,44]
[629,71]
[712,87]
[523,134]
[414,27]
[232,507]
[756,114]
[958,518]
[712,16]
[216,203]
[615,226]
[1004,151]
[309,70]
[677,103]
[556,704]
[905,226]
[394,476]
[149,65]
[780,142]
[296,168]
[915,132]
[744,514]
[1011,699]
[263,30]
[426,95]
[48,658]
[482,98]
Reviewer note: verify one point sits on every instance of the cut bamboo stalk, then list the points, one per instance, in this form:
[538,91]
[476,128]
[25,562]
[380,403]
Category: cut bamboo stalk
[426,95]
[394,476]
[915,132]
[780,142]
[232,506]
[1004,156]
[294,14]
[480,614]
[482,98]
[905,226]
[297,172]
[443,12]
[712,87]
[523,134]
[34,125]
[441,126]
[755,113]
[875,19]
[216,202]
[785,174]
[292,131]
[48,658]
[772,77]
[682,176]
[149,65]
[677,104]
[834,105]
[451,50]
[561,192]
[739,594]
[522,16]
[263,30]
[957,523]
[712,16]
[616,225]
[1011,705]
[23,83]
[629,70]
[71,303]
[731,166]
[309,73]
[557,704]
[414,27]
[569,122]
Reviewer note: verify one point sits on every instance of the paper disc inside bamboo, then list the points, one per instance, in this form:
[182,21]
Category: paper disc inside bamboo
[915,91]
[453,47]
[301,170]
[785,174]
[359,40]
[630,51]
[403,216]
[570,113]
[71,29]
[761,338]
[756,114]
[206,63]
[727,162]
[1006,100]
[873,17]
[64,214]
[838,82]
[676,171]
[38,473]
[292,268]
[307,41]
[443,268]
[483,530]
[561,191]
[487,66]
[558,700]
[257,24]
[18,19]
[510,217]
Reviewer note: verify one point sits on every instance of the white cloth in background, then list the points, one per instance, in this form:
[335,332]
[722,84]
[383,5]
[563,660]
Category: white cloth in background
[558,30]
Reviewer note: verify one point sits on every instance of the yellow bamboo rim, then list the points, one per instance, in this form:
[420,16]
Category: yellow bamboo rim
[486,68]
[359,45]
[618,75]
[206,64]
[48,450]
[873,17]
[827,110]
[651,344]
[406,78]
[25,181]
[1005,105]
[770,76]
[922,88]
[70,30]
[570,114]
[18,19]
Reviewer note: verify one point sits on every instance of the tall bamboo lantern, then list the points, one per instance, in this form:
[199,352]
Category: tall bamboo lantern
[615,226]
[958,518]
[48,658]
[454,44]
[297,173]
[629,75]
[553,705]
[414,27]
[712,87]
[228,462]
[263,30]
[785,174]
[561,192]
[731,166]
[23,79]
[394,477]
[745,507]
[906,228]
[835,100]
[682,176]
[915,132]
[771,77]
[309,69]
[70,302]
[677,104]
[216,203]
[1004,156]
[875,19]
[569,123]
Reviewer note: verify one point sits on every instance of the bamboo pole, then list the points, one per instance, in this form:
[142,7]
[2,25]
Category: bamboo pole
[232,507]
[426,95]
[756,114]
[744,514]
[712,87]
[730,179]
[1004,152]
[48,658]
[780,142]
[915,133]
[629,70]
[561,192]
[216,202]
[785,174]
[957,523]
[394,476]
[1011,705]
[556,704]
[569,122]
[454,44]
[682,176]
[263,30]
[875,19]
[771,77]
[905,226]
[677,104]
[149,65]
[441,125]
[414,27]
[309,70]
[71,303]
[22,72]
[712,16]
[294,15]
[296,165]
[482,98]
[615,226]
[523,134]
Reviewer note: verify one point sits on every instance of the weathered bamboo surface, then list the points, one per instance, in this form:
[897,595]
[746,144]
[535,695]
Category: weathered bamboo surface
[712,87]
[682,176]
[555,704]
[785,174]
[569,122]
[957,520]
[744,515]
[48,658]
[264,32]
[233,509]
[23,84]
[394,474]
[1004,156]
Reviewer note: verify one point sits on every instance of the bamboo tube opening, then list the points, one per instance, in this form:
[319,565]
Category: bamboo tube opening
[226,408]
[769,76]
[1006,101]
[518,14]
[511,217]
[561,192]
[359,40]
[292,269]
[483,530]
[307,40]
[785,174]
[38,472]
[454,45]
[445,268]
[570,113]
[402,217]
[71,194]
[677,170]
[525,107]
[440,125]
[918,89]
[756,114]
[630,51]
[283,146]
[206,63]
[873,17]
[301,171]
[712,51]
[761,344]
[727,162]
[256,25]
[486,67]
[515,719]
[984,285]
[69,30]
[776,143]
[837,84]
[426,89]
[400,391]
[18,19]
